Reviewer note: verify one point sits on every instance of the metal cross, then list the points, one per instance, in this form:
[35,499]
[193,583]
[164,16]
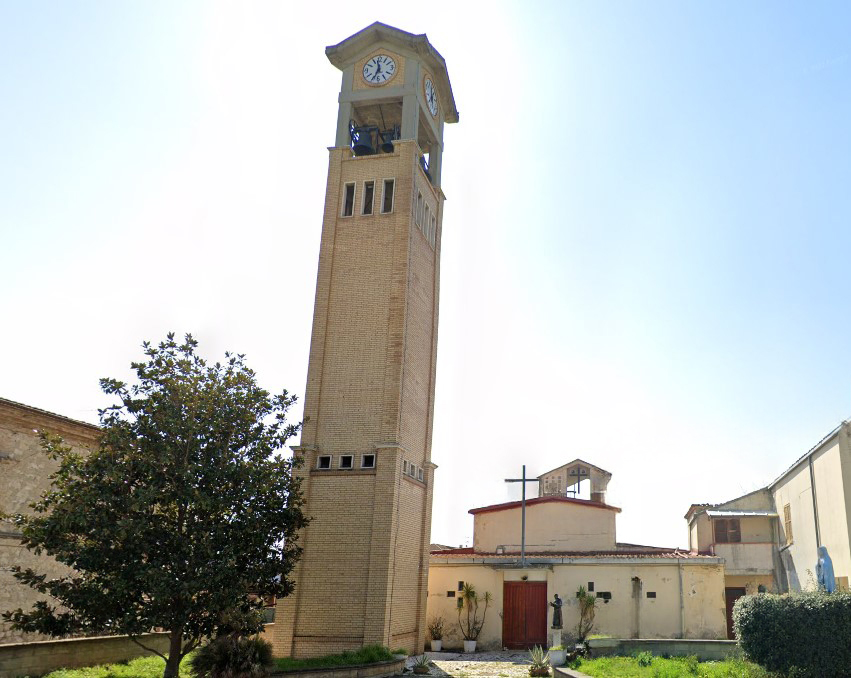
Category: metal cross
[523,480]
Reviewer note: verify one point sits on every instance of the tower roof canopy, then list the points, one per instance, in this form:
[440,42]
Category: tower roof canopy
[349,50]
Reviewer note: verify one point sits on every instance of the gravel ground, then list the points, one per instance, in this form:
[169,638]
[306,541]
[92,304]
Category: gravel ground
[478,665]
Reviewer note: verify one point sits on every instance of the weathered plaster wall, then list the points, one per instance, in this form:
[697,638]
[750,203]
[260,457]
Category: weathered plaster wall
[751,583]
[698,613]
[550,526]
[795,489]
[442,580]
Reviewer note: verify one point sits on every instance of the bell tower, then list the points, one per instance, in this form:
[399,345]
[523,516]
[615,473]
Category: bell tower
[366,444]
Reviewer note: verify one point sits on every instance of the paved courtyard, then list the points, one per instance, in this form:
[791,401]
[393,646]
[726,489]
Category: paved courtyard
[504,664]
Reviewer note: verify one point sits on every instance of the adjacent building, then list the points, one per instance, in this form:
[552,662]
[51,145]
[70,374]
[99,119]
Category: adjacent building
[24,475]
[769,538]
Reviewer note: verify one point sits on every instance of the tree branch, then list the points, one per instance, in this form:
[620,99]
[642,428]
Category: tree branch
[149,649]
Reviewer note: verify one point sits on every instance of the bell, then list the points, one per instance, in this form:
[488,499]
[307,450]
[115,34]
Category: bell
[387,141]
[362,141]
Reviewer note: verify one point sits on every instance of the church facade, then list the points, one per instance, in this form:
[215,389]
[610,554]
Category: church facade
[570,542]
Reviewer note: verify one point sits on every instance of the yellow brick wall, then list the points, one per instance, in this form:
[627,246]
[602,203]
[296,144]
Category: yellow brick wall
[363,575]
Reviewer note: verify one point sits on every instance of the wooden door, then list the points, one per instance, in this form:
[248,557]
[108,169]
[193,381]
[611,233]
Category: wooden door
[732,595]
[524,614]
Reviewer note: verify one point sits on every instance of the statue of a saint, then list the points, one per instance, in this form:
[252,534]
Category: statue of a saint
[556,605]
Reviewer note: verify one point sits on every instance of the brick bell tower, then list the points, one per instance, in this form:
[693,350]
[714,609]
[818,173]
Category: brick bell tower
[369,401]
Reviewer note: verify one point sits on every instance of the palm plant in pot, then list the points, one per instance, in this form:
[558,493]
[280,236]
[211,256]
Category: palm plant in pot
[468,614]
[436,627]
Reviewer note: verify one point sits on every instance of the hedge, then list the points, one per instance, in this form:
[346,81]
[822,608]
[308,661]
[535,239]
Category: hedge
[806,635]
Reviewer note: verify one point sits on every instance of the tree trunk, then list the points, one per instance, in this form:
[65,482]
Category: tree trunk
[175,645]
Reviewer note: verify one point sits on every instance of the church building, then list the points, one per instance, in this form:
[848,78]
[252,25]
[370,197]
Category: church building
[570,542]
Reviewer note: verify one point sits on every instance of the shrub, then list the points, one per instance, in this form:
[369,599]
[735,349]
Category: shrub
[802,634]
[233,657]
[644,658]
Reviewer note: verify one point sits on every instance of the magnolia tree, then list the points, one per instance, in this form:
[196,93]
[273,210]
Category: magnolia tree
[185,515]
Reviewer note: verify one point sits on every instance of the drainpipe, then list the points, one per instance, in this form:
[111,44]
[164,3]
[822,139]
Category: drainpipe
[815,502]
[682,601]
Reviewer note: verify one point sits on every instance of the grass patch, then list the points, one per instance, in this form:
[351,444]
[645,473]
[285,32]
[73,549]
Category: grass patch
[678,667]
[144,667]
[366,655]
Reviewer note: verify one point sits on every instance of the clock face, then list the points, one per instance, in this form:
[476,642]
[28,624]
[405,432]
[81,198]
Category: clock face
[379,69]
[431,96]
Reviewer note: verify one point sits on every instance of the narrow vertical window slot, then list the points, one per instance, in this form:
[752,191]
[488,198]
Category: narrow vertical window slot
[368,194]
[349,200]
[418,215]
[387,198]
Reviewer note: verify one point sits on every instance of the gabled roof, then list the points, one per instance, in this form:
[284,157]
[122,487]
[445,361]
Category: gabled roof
[815,448]
[739,513]
[544,500]
[350,49]
[599,470]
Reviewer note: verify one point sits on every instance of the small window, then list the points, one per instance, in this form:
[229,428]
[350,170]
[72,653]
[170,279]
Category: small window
[387,198]
[590,587]
[349,200]
[427,222]
[727,531]
[368,194]
[420,474]
[367,461]
[404,467]
[450,594]
[433,230]
[323,461]
[605,595]
[346,461]
[461,585]
[787,522]
[651,594]
[418,218]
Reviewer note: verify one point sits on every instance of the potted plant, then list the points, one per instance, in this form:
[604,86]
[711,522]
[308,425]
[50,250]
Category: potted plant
[421,665]
[558,655]
[540,662]
[471,625]
[435,630]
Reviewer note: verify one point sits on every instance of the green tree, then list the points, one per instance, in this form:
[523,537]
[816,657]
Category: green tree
[186,512]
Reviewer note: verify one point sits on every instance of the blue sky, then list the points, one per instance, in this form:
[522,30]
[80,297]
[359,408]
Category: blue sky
[645,239]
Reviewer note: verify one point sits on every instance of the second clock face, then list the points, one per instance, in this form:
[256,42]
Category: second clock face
[431,96]
[379,69]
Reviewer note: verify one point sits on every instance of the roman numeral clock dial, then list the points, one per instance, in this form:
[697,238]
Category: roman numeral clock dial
[431,96]
[379,69]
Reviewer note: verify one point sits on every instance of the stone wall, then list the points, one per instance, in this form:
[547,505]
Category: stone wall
[38,658]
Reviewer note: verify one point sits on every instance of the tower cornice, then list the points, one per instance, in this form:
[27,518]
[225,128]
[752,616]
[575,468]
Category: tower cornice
[345,53]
